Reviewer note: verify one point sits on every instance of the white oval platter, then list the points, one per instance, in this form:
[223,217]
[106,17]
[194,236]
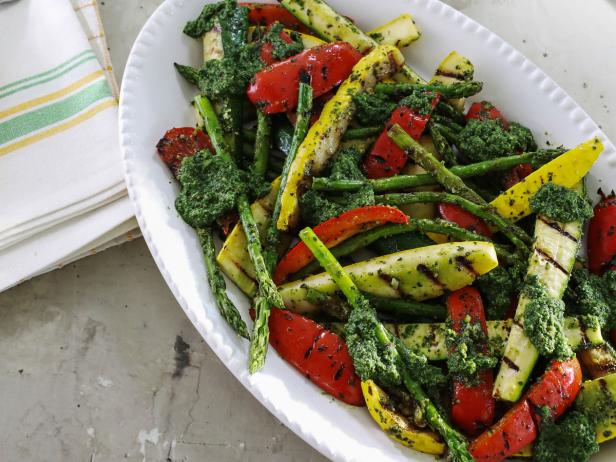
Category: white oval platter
[154,98]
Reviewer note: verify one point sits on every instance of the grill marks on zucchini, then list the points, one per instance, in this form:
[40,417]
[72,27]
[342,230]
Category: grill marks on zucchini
[552,258]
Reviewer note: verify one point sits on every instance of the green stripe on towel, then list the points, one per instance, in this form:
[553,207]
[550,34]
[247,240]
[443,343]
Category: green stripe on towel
[46,76]
[48,115]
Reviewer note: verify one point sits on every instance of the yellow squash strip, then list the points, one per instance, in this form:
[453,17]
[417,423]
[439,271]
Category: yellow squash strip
[398,427]
[453,69]
[399,32]
[416,274]
[324,136]
[597,398]
[566,170]
[233,257]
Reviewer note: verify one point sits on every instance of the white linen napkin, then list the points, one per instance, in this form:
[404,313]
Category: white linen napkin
[62,194]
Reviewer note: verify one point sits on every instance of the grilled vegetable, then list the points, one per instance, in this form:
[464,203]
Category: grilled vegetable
[317,353]
[555,391]
[602,234]
[472,404]
[486,111]
[597,400]
[599,361]
[179,143]
[367,335]
[325,135]
[554,251]
[566,170]
[429,339]
[464,219]
[386,158]
[275,88]
[398,427]
[233,258]
[336,230]
[399,32]
[265,14]
[418,274]
[453,69]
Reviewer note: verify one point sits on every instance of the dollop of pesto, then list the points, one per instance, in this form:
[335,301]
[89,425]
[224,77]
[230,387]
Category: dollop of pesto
[206,19]
[589,294]
[316,207]
[467,356]
[419,100]
[560,204]
[345,165]
[543,321]
[373,108]
[210,187]
[371,359]
[500,286]
[282,49]
[482,140]
[572,439]
[523,139]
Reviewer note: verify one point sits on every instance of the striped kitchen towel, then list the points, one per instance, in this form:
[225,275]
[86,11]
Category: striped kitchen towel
[60,163]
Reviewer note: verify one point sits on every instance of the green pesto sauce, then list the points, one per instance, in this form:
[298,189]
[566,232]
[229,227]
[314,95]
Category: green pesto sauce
[501,285]
[370,359]
[206,19]
[373,108]
[589,294]
[280,48]
[523,140]
[482,140]
[560,204]
[543,321]
[467,358]
[420,101]
[572,439]
[316,207]
[345,165]
[210,185]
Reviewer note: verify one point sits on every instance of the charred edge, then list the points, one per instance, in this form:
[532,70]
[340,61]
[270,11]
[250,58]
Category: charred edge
[243,271]
[585,339]
[556,227]
[510,363]
[518,323]
[554,263]
[387,278]
[466,263]
[423,269]
[453,75]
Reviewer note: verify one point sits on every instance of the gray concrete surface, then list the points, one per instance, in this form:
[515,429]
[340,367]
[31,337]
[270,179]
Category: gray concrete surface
[100,364]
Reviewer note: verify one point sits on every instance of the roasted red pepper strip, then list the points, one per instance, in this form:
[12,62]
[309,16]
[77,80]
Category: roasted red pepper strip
[472,407]
[464,219]
[602,234]
[513,431]
[179,143]
[486,111]
[267,50]
[334,231]
[386,158]
[319,354]
[266,14]
[557,389]
[274,89]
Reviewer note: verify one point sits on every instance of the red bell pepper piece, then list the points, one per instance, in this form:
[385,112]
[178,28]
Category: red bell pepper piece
[319,354]
[336,230]
[464,219]
[267,50]
[274,89]
[386,158]
[486,111]
[513,431]
[602,234]
[178,143]
[472,406]
[558,387]
[266,14]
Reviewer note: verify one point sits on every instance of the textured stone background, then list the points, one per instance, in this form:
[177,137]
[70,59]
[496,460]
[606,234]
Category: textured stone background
[100,364]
